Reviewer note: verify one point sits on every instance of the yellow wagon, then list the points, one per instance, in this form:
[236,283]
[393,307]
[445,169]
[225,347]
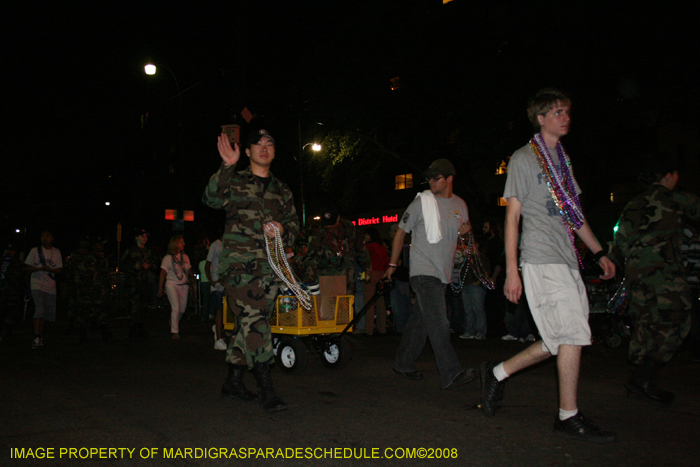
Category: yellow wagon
[298,331]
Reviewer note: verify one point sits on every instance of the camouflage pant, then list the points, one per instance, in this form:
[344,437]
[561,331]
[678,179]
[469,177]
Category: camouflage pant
[251,299]
[660,312]
[10,308]
[138,293]
[90,306]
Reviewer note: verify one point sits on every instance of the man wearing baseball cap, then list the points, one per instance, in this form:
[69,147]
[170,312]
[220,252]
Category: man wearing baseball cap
[436,220]
[256,204]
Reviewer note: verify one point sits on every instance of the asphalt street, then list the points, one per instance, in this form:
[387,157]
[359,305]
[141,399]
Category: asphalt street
[156,402]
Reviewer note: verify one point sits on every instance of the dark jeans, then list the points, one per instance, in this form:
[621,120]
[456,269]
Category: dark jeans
[428,320]
[474,296]
[455,310]
[400,305]
[518,318]
[206,308]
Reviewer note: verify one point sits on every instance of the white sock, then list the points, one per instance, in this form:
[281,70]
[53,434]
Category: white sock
[564,414]
[499,372]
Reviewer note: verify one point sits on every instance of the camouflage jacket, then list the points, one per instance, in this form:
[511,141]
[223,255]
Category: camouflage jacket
[11,282]
[332,252]
[650,231]
[91,272]
[71,270]
[248,206]
[132,260]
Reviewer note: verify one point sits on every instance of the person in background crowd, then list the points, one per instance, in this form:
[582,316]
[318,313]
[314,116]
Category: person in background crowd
[217,293]
[10,290]
[332,251]
[176,274]
[473,298]
[139,264]
[379,263]
[44,263]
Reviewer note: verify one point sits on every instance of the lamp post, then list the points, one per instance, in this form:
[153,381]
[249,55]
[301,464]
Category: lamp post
[314,147]
[151,69]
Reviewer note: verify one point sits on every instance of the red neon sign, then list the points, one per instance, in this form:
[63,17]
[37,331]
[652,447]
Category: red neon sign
[376,220]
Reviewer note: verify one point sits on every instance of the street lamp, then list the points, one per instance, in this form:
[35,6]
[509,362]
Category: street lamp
[314,147]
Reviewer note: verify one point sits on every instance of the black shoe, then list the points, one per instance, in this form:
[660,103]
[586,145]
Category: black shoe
[643,384]
[648,391]
[463,377]
[580,428]
[233,387]
[268,399]
[231,391]
[491,388]
[412,375]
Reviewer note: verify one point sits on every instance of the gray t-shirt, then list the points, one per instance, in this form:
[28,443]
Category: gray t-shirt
[434,259]
[544,238]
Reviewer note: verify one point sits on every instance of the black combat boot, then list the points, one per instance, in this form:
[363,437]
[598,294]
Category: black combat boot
[233,387]
[268,400]
[643,384]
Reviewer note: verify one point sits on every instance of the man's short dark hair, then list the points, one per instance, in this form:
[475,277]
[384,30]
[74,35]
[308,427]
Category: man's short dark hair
[543,102]
[657,166]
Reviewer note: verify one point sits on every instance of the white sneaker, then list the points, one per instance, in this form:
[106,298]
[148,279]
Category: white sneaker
[466,336]
[530,338]
[508,337]
[37,343]
[220,345]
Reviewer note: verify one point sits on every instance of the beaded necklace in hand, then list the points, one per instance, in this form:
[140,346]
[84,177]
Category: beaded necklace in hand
[277,258]
[471,261]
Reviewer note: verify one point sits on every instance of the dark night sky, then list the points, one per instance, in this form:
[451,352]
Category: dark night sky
[75,91]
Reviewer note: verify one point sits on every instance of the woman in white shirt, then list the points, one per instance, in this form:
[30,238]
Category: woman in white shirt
[176,272]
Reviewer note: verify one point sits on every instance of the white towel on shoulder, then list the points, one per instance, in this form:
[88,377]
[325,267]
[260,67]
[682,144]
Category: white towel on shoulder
[431,216]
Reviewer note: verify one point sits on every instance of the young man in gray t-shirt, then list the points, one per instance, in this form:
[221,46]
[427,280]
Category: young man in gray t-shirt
[541,189]
[436,218]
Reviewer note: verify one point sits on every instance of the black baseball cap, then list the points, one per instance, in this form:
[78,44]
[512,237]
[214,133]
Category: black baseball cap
[440,167]
[256,135]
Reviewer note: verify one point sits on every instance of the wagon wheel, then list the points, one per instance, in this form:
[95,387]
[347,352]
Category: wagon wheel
[613,340]
[336,355]
[292,355]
